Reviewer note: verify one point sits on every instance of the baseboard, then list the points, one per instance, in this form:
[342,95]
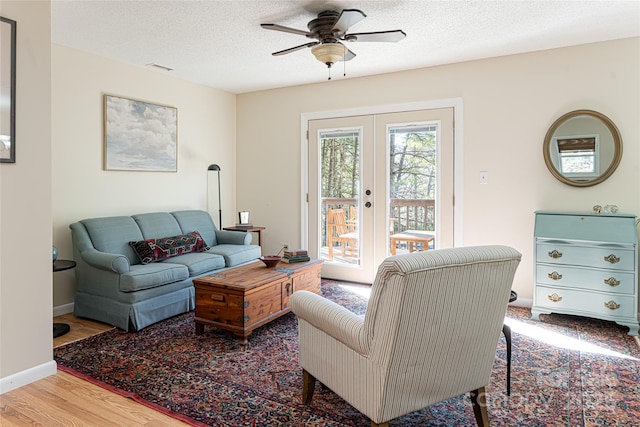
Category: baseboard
[28,376]
[522,302]
[63,309]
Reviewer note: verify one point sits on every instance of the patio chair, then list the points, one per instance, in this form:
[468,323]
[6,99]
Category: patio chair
[339,230]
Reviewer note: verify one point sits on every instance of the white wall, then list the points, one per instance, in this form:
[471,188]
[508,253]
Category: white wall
[82,189]
[509,103]
[25,207]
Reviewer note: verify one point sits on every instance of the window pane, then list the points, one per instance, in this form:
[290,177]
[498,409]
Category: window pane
[577,162]
[412,186]
[340,186]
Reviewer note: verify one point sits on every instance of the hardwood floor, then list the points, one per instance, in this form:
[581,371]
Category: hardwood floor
[80,328]
[65,400]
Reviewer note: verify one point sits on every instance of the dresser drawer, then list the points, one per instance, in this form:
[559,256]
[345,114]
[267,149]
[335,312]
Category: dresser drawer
[619,282]
[577,301]
[598,228]
[611,257]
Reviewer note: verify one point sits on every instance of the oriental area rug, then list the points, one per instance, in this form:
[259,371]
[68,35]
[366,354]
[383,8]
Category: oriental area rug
[566,371]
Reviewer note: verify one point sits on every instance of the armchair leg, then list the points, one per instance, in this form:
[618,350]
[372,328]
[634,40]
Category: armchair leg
[479,403]
[379,425]
[308,385]
[506,330]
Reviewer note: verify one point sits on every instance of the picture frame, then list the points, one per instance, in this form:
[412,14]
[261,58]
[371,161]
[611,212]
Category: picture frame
[7,90]
[139,135]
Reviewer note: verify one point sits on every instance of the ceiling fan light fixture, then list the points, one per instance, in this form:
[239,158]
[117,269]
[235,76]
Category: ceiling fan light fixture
[329,53]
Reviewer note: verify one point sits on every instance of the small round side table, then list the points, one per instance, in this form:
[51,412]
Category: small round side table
[60,329]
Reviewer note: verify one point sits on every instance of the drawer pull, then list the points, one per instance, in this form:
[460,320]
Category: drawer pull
[555,254]
[554,297]
[612,305]
[611,281]
[612,259]
[555,276]
[288,288]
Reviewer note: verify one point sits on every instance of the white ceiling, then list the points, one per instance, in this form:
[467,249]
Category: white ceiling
[221,44]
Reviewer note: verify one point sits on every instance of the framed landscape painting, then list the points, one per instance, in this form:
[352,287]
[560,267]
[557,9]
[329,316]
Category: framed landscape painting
[139,136]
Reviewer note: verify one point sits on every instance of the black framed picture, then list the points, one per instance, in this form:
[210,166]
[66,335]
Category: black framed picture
[7,90]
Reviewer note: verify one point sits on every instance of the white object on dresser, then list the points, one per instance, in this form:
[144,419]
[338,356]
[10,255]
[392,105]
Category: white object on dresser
[586,264]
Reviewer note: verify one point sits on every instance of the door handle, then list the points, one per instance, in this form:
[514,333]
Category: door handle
[367,205]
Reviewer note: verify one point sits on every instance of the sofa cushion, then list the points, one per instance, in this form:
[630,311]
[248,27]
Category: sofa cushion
[154,250]
[197,220]
[199,263]
[157,224]
[236,254]
[112,234]
[152,275]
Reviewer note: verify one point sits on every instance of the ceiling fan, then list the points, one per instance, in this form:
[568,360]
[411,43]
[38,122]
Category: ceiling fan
[328,30]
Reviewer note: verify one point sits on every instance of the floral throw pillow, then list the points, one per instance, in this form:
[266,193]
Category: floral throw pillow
[154,250]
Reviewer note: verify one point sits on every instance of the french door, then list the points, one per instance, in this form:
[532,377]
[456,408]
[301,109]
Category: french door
[379,185]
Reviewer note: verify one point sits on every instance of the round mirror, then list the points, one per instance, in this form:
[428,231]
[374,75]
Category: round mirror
[582,148]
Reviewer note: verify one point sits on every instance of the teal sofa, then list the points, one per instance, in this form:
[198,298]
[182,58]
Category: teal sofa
[115,284]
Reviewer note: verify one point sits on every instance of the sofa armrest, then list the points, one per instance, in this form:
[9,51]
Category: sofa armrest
[105,261]
[331,318]
[83,248]
[226,237]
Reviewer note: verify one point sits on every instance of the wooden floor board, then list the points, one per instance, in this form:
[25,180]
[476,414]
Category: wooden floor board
[80,328]
[108,410]
[65,400]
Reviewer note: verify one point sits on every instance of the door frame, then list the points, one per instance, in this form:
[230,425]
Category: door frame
[455,103]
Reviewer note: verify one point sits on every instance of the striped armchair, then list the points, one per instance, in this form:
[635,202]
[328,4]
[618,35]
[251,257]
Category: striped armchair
[430,333]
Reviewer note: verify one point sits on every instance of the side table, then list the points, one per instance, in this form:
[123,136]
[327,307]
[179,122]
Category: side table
[247,229]
[60,329]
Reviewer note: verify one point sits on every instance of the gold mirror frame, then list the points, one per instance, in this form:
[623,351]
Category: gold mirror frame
[617,141]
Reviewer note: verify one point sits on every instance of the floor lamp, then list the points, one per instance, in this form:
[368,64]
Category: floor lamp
[217,169]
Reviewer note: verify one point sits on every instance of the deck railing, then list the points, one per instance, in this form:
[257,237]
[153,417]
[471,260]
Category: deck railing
[413,214]
[406,214]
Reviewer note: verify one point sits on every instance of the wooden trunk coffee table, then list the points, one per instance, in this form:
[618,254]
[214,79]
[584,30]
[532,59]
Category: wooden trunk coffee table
[246,297]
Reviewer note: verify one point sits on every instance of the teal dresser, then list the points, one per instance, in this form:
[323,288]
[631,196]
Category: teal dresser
[587,265]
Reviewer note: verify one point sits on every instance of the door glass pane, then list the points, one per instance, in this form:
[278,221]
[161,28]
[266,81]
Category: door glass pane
[340,186]
[412,187]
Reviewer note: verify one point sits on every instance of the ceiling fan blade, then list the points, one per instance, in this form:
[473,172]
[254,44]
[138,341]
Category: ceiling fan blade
[347,18]
[284,29]
[294,49]
[349,55]
[376,36]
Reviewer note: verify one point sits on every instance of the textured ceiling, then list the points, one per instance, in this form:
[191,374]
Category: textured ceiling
[221,44]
